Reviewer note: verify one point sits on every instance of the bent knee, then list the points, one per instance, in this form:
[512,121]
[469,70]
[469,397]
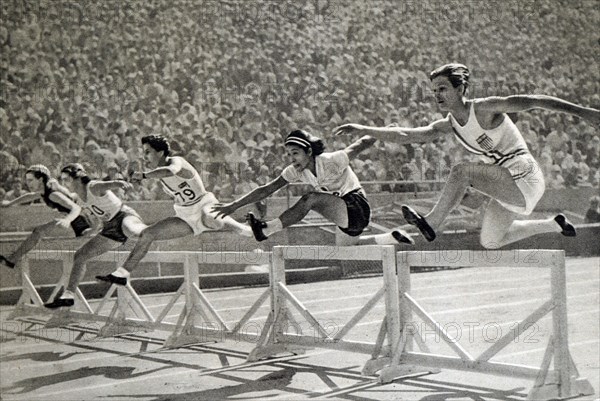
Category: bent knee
[309,198]
[490,240]
[147,234]
[461,171]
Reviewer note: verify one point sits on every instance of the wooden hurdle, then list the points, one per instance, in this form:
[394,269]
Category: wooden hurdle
[198,322]
[392,353]
[275,337]
[561,382]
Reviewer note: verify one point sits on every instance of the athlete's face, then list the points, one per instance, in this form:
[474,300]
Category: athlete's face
[67,181]
[300,158]
[152,158]
[447,97]
[34,184]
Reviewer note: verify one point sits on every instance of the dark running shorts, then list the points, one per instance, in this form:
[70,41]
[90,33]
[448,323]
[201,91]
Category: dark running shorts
[79,225]
[359,212]
[113,229]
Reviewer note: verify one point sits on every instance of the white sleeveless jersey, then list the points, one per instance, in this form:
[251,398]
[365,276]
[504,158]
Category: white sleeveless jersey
[105,207]
[185,192]
[494,146]
[334,174]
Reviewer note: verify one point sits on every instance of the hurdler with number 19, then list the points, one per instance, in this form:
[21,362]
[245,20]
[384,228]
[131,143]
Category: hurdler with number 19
[192,202]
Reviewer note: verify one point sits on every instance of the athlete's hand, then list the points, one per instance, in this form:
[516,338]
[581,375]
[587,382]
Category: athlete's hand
[4,203]
[65,223]
[124,185]
[592,116]
[223,210]
[137,176]
[348,129]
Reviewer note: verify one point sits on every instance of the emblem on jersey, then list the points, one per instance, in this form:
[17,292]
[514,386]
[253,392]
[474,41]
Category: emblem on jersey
[485,142]
[183,185]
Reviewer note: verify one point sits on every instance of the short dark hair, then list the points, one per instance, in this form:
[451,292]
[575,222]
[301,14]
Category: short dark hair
[76,171]
[158,143]
[457,74]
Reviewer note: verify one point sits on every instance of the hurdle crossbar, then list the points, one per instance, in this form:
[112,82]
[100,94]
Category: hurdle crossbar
[561,382]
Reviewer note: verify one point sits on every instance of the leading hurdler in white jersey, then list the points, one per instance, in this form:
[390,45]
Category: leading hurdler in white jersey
[503,146]
[192,204]
[508,173]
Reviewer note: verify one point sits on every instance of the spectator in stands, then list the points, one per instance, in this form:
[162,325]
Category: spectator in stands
[16,190]
[593,213]
[102,78]
[555,180]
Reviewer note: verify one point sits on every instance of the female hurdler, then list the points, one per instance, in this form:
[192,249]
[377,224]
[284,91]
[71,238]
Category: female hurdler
[507,173]
[337,195]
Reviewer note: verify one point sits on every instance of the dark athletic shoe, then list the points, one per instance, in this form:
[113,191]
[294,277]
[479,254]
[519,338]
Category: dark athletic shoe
[60,303]
[415,219]
[6,262]
[109,278]
[257,227]
[568,230]
[402,237]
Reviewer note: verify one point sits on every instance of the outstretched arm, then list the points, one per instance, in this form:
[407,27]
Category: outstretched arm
[401,135]
[25,198]
[516,103]
[363,143]
[253,196]
[99,188]
[175,167]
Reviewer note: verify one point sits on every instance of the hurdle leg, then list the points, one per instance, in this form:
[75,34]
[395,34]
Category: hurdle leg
[118,323]
[186,332]
[566,382]
[377,362]
[407,334]
[30,302]
[271,341]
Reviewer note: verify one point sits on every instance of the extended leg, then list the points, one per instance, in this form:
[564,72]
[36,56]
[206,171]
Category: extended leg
[169,228]
[332,207]
[499,227]
[494,181]
[96,246]
[30,242]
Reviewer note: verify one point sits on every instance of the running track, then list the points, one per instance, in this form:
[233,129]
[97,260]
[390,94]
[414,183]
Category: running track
[477,305]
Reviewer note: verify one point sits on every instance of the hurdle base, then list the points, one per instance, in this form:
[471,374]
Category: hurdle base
[124,326]
[551,391]
[373,366]
[268,351]
[62,318]
[391,373]
[22,310]
[183,340]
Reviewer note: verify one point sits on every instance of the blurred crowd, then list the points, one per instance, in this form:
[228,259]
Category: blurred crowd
[226,81]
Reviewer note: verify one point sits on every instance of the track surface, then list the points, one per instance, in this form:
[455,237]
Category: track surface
[476,305]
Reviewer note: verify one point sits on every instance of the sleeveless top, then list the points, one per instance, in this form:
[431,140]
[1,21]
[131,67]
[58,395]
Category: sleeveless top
[494,146]
[105,207]
[185,192]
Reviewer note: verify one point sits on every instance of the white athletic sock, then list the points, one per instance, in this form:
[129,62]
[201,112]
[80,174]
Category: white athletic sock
[385,239]
[67,295]
[120,272]
[273,226]
[244,231]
